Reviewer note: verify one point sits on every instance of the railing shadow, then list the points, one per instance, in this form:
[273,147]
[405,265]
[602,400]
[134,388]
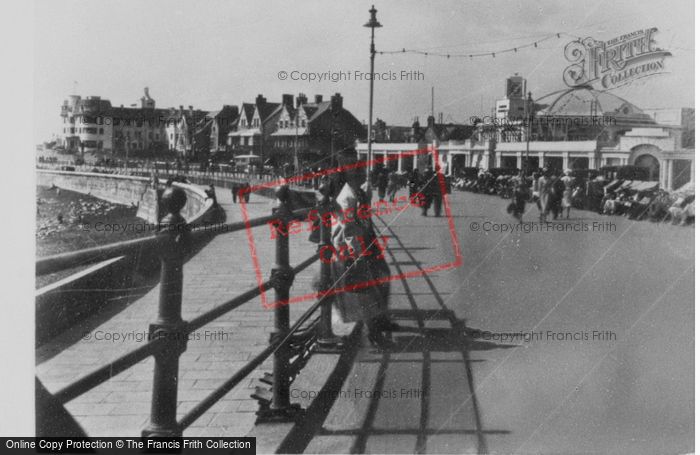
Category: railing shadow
[429,344]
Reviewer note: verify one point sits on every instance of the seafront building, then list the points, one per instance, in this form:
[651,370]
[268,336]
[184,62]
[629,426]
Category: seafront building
[576,128]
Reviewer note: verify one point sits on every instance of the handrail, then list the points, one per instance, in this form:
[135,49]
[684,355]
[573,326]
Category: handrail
[168,335]
[133,357]
[239,300]
[62,261]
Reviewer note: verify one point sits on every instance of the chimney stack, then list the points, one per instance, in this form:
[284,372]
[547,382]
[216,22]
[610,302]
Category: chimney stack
[318,99]
[288,100]
[431,121]
[415,130]
[336,102]
[260,100]
[301,99]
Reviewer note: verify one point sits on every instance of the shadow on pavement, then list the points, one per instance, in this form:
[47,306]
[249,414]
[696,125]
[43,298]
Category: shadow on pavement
[418,397]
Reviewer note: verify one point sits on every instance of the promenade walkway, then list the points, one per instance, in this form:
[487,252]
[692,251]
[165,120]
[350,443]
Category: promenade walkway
[220,271]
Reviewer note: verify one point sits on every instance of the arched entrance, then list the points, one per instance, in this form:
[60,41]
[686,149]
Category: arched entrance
[648,156]
[650,162]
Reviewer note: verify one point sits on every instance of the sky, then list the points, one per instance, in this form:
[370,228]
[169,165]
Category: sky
[215,52]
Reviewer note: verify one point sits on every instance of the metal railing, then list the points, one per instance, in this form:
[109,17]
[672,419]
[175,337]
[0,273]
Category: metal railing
[220,174]
[168,334]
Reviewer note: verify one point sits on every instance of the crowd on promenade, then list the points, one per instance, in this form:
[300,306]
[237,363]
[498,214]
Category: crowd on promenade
[555,192]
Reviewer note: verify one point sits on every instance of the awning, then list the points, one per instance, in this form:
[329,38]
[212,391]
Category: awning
[246,133]
[612,185]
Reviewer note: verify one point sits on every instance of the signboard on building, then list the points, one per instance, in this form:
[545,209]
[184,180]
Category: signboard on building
[616,62]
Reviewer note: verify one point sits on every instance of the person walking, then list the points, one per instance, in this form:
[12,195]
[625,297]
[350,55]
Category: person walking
[431,190]
[566,201]
[544,184]
[235,188]
[393,186]
[556,195]
[413,183]
[382,183]
[521,194]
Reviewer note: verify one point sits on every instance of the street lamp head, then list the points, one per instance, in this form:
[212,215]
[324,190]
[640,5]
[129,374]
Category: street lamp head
[373,22]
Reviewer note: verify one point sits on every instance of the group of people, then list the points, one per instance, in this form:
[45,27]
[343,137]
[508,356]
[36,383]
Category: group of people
[551,191]
[654,205]
[426,185]
[351,190]
[387,182]
[236,188]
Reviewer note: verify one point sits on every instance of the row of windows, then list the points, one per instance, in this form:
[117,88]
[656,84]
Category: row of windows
[287,123]
[289,143]
[83,130]
[111,121]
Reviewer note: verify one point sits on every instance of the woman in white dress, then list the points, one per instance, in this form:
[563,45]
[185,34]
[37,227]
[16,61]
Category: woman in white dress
[568,181]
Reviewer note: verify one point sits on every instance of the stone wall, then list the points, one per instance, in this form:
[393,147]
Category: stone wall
[101,286]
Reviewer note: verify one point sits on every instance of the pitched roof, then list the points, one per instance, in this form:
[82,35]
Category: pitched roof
[267,109]
[226,112]
[248,110]
[320,109]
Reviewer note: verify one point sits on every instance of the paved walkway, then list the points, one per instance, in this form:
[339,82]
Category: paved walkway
[220,271]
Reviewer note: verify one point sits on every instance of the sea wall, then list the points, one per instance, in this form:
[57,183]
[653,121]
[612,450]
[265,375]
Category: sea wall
[103,286]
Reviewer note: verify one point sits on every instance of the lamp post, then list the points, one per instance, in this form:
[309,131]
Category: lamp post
[372,24]
[527,133]
[296,147]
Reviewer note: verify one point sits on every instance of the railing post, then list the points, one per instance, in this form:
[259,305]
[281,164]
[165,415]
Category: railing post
[173,238]
[327,342]
[282,278]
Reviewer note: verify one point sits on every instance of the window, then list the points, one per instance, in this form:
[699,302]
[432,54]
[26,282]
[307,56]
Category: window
[99,120]
[102,131]
[286,123]
[303,123]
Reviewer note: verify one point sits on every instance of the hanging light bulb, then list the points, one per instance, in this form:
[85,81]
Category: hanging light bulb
[535,43]
[515,49]
[493,54]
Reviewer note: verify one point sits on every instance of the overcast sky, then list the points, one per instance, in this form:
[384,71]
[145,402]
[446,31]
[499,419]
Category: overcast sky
[213,52]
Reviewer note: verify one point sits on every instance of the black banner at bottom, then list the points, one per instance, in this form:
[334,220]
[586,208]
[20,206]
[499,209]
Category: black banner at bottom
[110,445]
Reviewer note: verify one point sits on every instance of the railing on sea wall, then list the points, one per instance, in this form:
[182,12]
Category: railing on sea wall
[290,344]
[209,175]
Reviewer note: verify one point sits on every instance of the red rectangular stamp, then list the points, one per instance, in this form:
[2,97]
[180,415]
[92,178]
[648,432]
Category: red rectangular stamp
[377,208]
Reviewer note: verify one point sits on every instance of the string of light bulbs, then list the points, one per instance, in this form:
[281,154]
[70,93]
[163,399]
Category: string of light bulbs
[492,54]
